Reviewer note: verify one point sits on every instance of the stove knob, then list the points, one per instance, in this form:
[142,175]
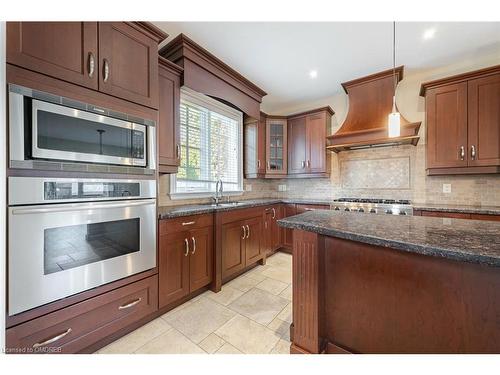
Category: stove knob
[402,213]
[347,209]
[361,209]
[337,208]
[388,212]
[373,211]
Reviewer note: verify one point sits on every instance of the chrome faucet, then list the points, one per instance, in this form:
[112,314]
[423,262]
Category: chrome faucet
[219,190]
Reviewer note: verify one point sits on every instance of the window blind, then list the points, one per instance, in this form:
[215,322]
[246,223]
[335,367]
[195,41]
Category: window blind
[210,147]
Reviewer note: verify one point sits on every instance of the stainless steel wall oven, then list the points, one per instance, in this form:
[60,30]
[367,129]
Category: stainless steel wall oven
[66,236]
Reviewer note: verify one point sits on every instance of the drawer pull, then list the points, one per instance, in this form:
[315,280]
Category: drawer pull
[309,209]
[188,223]
[186,253]
[53,339]
[244,232]
[194,245]
[106,70]
[129,305]
[274,213]
[91,65]
[248,231]
[473,152]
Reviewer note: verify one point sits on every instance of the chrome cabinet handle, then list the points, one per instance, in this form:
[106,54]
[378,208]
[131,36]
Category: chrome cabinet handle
[309,209]
[188,223]
[258,164]
[91,66]
[473,152]
[248,231]
[106,70]
[187,247]
[268,165]
[462,152]
[194,245]
[178,151]
[274,213]
[308,164]
[129,305]
[303,164]
[53,339]
[244,232]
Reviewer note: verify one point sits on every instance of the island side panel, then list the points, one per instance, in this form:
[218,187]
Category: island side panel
[307,282]
[381,300]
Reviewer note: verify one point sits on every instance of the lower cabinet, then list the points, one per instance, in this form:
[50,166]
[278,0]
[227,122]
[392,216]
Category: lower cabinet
[272,237]
[287,234]
[77,327]
[457,215]
[185,257]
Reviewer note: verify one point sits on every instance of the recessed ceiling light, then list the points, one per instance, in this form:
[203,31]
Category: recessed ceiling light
[313,74]
[429,33]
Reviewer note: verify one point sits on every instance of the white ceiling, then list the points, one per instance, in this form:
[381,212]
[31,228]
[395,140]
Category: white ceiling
[277,56]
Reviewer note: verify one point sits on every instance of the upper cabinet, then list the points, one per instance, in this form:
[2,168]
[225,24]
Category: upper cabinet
[276,146]
[116,58]
[64,50]
[463,123]
[169,78]
[307,154]
[292,146]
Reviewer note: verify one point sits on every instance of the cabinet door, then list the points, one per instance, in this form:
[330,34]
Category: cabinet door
[484,121]
[253,240]
[128,63]
[297,145]
[276,146]
[169,119]
[275,228]
[316,143]
[251,147]
[173,267]
[261,145]
[63,50]
[447,126]
[266,245]
[200,259]
[233,251]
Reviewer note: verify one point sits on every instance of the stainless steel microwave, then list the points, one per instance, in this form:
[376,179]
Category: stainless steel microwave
[69,134]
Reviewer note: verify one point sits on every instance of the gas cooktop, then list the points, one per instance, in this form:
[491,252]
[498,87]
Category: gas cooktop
[373,206]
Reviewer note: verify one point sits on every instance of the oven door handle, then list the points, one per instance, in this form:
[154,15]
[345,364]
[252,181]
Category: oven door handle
[81,207]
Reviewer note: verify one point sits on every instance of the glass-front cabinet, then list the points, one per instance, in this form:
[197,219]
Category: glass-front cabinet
[276,146]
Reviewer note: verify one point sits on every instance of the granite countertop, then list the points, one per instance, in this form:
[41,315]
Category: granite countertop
[488,210]
[168,212]
[463,240]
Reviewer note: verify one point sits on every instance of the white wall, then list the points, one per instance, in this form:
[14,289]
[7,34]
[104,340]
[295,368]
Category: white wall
[3,195]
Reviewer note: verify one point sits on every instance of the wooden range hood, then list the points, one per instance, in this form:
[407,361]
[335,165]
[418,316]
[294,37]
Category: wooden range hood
[370,102]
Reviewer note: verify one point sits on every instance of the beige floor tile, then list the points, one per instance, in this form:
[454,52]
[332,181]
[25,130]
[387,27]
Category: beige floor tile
[282,347]
[200,318]
[280,273]
[174,311]
[287,293]
[286,314]
[259,305]
[243,283]
[225,296]
[256,276]
[228,349]
[212,343]
[281,328]
[248,336]
[171,342]
[272,286]
[280,259]
[134,340]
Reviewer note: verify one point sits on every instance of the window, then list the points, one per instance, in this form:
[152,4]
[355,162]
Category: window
[211,148]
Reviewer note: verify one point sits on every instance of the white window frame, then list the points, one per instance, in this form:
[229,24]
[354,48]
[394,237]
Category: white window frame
[191,96]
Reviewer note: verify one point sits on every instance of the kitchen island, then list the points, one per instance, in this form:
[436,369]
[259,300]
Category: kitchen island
[392,284]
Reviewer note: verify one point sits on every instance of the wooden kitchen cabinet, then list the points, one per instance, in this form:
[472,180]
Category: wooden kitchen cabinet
[287,234]
[169,79]
[276,146]
[253,240]
[116,58]
[64,50]
[456,215]
[185,256]
[255,147]
[463,123]
[307,155]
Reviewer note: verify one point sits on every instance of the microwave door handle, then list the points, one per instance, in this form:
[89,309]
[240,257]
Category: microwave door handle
[80,207]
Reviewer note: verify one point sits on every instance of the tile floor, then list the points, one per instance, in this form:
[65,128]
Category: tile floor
[251,314]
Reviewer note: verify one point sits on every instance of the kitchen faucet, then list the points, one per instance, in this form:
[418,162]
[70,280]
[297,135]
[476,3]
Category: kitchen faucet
[219,190]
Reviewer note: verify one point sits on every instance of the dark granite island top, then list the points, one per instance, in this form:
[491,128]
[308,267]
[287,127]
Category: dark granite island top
[463,240]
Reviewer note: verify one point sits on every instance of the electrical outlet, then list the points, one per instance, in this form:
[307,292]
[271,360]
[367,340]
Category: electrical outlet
[447,188]
[281,187]
[248,187]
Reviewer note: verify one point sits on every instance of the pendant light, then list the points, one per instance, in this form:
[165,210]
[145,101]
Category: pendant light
[394,116]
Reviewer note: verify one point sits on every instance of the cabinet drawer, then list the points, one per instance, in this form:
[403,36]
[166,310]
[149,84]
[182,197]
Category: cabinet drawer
[76,327]
[453,215]
[485,217]
[185,223]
